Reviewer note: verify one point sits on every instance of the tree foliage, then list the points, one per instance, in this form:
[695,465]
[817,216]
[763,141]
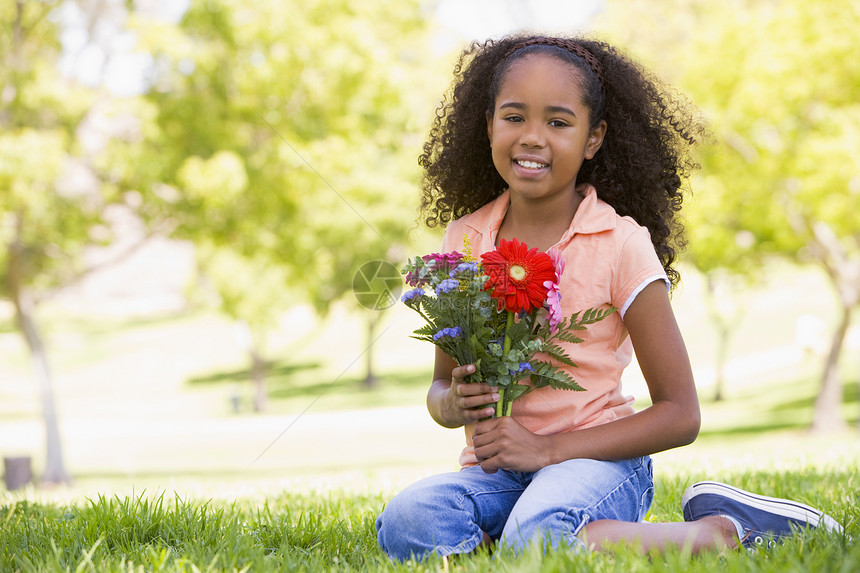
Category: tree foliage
[278,137]
[51,195]
[780,83]
[283,131]
[286,135]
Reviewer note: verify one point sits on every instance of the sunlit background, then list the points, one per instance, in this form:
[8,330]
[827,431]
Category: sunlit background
[187,191]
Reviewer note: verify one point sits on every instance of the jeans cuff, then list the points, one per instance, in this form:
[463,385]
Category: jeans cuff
[577,544]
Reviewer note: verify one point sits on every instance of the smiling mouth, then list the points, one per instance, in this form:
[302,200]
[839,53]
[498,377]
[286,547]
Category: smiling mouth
[531,164]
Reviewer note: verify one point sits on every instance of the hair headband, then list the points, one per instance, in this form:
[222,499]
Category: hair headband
[568,45]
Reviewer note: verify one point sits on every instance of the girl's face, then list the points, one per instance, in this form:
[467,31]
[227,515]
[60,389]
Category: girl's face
[539,129]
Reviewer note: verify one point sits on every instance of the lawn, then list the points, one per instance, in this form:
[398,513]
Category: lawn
[169,478]
[334,532]
[189,521]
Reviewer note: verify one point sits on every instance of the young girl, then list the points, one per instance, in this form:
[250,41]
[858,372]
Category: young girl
[565,143]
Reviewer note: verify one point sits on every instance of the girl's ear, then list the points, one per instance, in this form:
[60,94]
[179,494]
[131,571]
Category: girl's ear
[595,140]
[490,126]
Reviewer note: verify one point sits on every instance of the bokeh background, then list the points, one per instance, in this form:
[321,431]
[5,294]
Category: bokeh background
[188,189]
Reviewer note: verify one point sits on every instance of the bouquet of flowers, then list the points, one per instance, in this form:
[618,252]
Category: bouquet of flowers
[502,314]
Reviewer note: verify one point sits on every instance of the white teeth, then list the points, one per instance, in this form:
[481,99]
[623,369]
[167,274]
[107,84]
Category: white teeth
[531,164]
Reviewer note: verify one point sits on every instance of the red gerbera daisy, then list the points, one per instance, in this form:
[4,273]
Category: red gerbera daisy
[516,275]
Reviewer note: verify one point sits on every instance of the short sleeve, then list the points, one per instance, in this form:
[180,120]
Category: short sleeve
[638,266]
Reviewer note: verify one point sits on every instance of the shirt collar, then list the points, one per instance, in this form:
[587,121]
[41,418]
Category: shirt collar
[592,216]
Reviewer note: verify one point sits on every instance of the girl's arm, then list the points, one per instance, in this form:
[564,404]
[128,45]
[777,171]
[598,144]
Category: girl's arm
[453,402]
[672,420]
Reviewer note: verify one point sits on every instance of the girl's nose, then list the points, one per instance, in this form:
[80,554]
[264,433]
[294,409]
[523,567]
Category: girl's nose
[532,136]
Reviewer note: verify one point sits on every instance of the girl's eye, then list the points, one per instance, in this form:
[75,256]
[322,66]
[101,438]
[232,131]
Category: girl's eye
[558,123]
[514,118]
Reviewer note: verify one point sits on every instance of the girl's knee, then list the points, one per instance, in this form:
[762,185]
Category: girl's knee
[409,525]
[400,517]
[437,514]
[396,528]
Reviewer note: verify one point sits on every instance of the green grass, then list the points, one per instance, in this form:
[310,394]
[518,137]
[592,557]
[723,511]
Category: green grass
[755,439]
[335,532]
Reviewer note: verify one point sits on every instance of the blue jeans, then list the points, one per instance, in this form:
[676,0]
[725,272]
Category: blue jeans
[448,513]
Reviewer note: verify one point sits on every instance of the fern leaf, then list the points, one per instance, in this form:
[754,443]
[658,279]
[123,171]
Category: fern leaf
[558,353]
[548,375]
[426,330]
[569,337]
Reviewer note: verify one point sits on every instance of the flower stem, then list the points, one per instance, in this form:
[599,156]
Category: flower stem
[502,407]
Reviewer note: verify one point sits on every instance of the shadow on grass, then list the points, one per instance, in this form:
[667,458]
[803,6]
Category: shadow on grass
[299,381]
[106,326]
[285,389]
[774,407]
[799,388]
[764,427]
[850,395]
[7,327]
[275,373]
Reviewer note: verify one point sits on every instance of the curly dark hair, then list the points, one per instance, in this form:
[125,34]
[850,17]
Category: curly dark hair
[639,169]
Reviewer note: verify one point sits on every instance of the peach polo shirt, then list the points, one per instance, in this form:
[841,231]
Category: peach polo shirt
[609,259]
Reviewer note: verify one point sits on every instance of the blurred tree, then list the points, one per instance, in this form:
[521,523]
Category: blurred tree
[284,133]
[721,249]
[53,201]
[233,277]
[780,82]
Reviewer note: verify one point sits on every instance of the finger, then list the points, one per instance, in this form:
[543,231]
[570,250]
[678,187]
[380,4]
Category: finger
[485,427]
[484,400]
[480,442]
[489,463]
[479,414]
[460,372]
[473,389]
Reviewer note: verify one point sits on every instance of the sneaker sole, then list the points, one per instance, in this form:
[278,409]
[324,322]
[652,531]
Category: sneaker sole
[781,507]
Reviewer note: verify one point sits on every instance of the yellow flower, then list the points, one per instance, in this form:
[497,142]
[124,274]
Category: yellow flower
[467,249]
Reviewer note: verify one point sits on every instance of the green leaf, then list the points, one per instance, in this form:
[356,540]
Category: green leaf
[426,330]
[559,354]
[569,337]
[549,375]
[515,391]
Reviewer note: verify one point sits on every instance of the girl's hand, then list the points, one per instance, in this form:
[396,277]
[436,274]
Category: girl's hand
[504,443]
[466,402]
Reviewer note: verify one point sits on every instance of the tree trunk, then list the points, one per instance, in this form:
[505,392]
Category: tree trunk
[54,472]
[827,417]
[844,273]
[724,336]
[722,322]
[370,380]
[258,374]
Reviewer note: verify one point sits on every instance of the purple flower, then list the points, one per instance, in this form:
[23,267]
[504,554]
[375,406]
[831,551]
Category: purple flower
[447,286]
[444,260]
[410,294]
[412,279]
[464,267]
[453,332]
